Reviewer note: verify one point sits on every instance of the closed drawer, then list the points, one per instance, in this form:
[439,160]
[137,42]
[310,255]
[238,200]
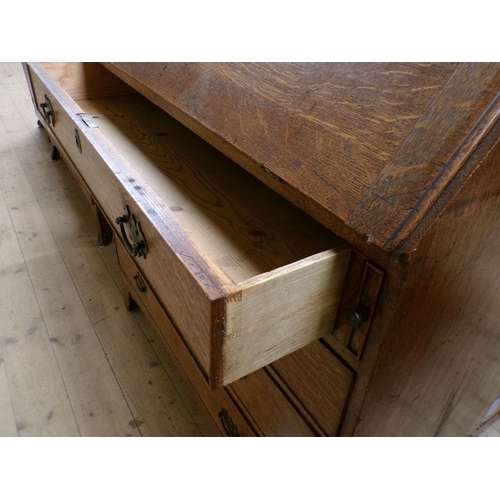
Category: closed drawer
[269,410]
[320,381]
[245,277]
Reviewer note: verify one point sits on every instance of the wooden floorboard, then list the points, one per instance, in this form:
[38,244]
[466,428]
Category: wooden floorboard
[39,398]
[73,361]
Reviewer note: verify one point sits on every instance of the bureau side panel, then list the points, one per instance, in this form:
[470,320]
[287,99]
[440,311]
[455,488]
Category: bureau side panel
[439,365]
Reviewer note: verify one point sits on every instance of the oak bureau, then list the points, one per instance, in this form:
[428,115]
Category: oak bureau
[317,243]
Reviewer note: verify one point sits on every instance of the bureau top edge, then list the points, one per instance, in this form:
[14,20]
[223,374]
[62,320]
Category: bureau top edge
[365,148]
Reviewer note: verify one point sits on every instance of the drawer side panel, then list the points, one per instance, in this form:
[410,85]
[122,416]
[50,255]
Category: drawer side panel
[86,80]
[282,311]
[184,283]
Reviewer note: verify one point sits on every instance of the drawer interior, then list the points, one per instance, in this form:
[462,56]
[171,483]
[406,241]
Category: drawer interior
[246,277]
[243,226]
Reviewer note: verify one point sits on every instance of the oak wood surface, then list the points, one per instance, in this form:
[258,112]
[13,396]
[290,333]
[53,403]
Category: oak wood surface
[271,412]
[429,366]
[320,381]
[214,400]
[314,376]
[223,210]
[364,142]
[241,223]
[112,181]
[281,311]
[246,229]
[438,371]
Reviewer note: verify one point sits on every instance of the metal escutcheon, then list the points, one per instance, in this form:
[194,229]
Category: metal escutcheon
[139,281]
[227,422]
[138,246]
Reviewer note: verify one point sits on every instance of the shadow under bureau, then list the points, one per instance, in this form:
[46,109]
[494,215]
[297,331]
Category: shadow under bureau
[314,242]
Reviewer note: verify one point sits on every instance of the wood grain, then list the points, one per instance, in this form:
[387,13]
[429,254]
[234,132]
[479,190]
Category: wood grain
[35,386]
[292,118]
[161,402]
[217,222]
[86,80]
[214,400]
[112,181]
[438,370]
[391,156]
[320,381]
[95,395]
[37,405]
[8,426]
[335,134]
[272,413]
[245,227]
[145,384]
[88,385]
[38,390]
[282,311]
[430,156]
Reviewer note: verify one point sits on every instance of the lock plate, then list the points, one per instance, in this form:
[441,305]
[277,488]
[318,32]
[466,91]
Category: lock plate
[88,120]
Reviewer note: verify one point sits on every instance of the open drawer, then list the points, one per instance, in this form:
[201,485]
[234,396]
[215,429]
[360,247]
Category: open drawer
[245,276]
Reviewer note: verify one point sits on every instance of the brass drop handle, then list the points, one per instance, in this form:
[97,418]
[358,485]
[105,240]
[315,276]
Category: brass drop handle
[228,424]
[138,246]
[121,221]
[48,111]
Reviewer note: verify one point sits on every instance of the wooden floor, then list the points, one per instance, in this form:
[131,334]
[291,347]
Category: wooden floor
[73,360]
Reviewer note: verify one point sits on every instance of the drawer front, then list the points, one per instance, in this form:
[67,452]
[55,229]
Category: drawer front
[320,382]
[357,309]
[270,411]
[191,301]
[219,405]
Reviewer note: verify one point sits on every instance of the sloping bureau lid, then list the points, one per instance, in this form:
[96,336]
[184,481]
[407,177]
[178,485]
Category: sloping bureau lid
[368,145]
